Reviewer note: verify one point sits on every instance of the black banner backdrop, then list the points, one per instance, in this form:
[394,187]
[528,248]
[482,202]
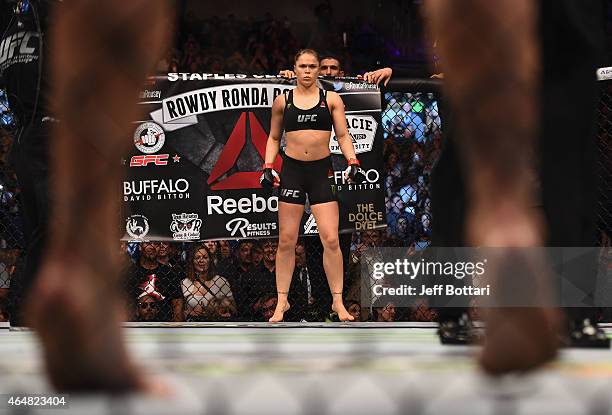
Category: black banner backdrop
[193,172]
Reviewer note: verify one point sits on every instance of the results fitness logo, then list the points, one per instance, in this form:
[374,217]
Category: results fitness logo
[185,226]
[231,151]
[248,229]
[363,130]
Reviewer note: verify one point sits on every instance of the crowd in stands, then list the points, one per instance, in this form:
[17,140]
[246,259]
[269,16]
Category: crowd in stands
[267,46]
[412,145]
[235,281]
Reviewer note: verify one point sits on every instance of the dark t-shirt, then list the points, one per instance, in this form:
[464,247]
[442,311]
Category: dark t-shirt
[21,60]
[240,284]
[264,281]
[163,280]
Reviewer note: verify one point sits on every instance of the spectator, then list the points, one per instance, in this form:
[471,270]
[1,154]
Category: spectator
[395,209]
[236,63]
[149,276]
[8,260]
[259,64]
[167,254]
[264,279]
[354,308]
[202,284]
[393,170]
[224,250]
[300,291]
[264,307]
[420,311]
[257,254]
[223,309]
[238,270]
[385,313]
[148,307]
[425,231]
[353,282]
[369,239]
[4,316]
[213,250]
[405,228]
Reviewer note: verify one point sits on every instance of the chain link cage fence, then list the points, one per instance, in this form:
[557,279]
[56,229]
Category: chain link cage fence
[233,280]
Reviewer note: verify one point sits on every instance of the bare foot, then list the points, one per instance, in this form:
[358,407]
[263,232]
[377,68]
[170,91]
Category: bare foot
[519,339]
[279,313]
[73,310]
[342,312]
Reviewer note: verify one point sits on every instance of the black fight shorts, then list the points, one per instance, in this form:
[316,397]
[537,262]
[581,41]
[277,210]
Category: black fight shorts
[300,178]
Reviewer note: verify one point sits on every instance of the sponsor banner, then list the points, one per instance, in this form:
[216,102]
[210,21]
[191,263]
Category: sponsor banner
[193,172]
[604,74]
[363,130]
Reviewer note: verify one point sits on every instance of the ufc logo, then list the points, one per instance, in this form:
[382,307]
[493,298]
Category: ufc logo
[307,118]
[18,41]
[157,159]
[290,193]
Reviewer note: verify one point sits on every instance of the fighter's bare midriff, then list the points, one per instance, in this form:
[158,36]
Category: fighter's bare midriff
[308,145]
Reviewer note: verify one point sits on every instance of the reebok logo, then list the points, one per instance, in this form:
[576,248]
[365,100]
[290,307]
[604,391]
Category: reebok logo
[231,151]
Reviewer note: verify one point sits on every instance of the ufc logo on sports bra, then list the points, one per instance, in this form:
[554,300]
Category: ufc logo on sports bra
[290,193]
[307,118]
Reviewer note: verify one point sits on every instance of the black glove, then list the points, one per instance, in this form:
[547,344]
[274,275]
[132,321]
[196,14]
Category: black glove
[269,177]
[354,173]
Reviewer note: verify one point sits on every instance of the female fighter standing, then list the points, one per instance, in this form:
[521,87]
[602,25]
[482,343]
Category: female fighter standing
[307,114]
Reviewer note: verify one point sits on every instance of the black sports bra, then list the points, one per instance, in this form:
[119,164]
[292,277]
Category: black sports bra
[315,118]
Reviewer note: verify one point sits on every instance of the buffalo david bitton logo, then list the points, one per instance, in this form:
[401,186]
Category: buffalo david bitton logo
[137,226]
[185,226]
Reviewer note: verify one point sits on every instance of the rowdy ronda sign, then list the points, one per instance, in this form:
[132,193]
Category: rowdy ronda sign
[199,154]
[228,97]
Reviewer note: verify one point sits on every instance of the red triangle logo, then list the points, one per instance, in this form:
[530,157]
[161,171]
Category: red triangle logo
[231,151]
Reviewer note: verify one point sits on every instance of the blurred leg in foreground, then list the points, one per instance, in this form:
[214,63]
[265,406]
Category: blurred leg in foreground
[492,69]
[100,55]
